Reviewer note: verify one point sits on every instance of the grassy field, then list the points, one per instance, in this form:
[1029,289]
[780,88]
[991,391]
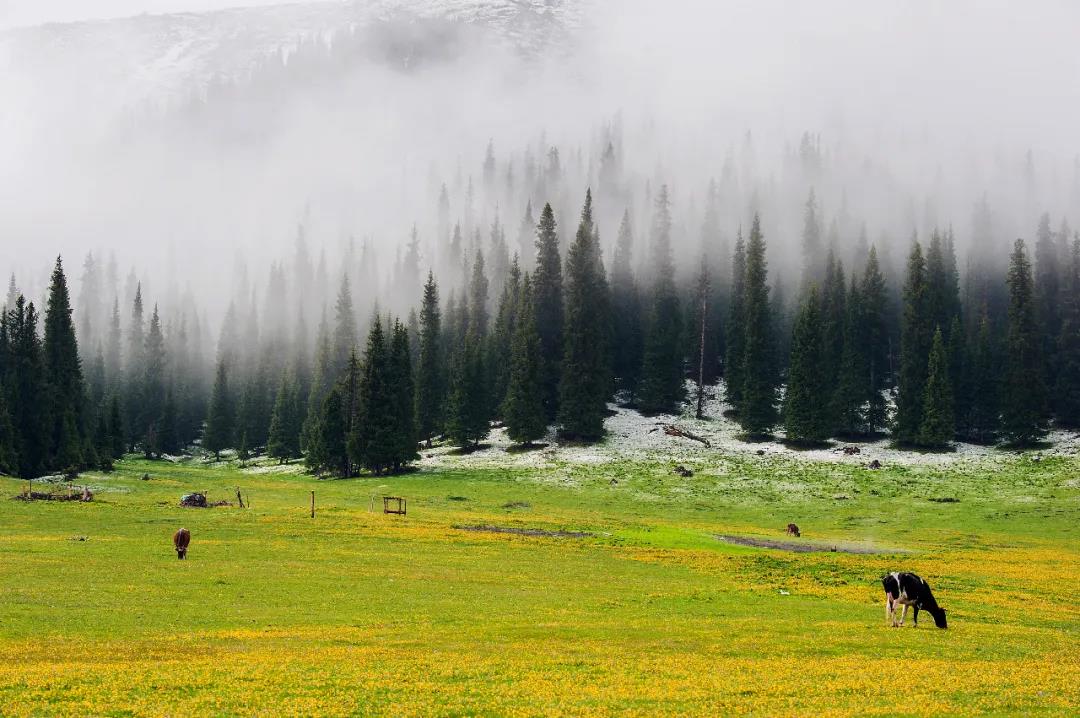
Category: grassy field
[357,613]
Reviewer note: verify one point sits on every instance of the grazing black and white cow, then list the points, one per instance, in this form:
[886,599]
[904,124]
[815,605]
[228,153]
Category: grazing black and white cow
[907,589]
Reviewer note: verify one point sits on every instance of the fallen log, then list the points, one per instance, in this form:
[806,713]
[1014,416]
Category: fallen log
[672,430]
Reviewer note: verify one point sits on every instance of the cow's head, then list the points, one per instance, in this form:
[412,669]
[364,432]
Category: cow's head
[939,617]
[181,552]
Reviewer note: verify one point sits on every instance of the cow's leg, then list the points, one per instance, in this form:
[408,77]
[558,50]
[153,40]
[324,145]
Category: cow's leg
[903,614]
[915,616]
[888,611]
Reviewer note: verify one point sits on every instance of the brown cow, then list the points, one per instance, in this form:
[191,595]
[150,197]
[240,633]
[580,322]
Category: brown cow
[793,530]
[180,540]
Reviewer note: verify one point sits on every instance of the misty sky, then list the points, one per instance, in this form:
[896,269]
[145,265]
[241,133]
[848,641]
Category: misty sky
[943,98]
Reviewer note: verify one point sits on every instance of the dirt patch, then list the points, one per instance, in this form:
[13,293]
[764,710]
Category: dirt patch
[517,505]
[525,532]
[801,547]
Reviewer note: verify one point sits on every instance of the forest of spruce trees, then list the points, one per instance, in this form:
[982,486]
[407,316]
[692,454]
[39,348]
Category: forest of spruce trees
[546,337]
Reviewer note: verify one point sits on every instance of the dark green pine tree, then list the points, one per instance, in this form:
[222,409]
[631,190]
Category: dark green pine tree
[243,450]
[283,442]
[9,454]
[152,386]
[814,266]
[982,422]
[938,422]
[167,436]
[467,412]
[873,300]
[502,336]
[834,317]
[116,433]
[807,419]
[735,355]
[523,408]
[321,384]
[372,441]
[548,306]
[1067,389]
[344,339]
[627,335]
[218,434]
[915,340]
[63,377]
[1047,278]
[26,386]
[942,284]
[586,366]
[758,414]
[1024,399]
[133,370]
[430,377]
[959,378]
[400,374]
[663,386]
[850,398]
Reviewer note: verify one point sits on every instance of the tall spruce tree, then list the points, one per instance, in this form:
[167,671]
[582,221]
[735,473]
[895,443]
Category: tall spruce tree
[938,421]
[283,442]
[806,417]
[467,406]
[523,408]
[27,385]
[344,338]
[915,340]
[851,395]
[735,355]
[371,443]
[983,418]
[873,300]
[9,453]
[627,334]
[220,424]
[548,306]
[152,387]
[502,336]
[586,373]
[758,413]
[401,389]
[63,377]
[1047,284]
[1023,407]
[663,386]
[1067,388]
[430,379]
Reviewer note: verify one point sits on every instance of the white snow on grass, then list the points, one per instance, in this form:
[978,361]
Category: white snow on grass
[633,437]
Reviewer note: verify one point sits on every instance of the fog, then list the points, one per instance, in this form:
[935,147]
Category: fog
[192,149]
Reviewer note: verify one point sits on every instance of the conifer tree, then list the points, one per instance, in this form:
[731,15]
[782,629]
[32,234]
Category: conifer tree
[430,382]
[63,377]
[627,335]
[400,379]
[1067,389]
[372,443]
[27,385]
[806,416]
[1023,407]
[663,387]
[344,339]
[133,365]
[167,437]
[959,378]
[116,429]
[321,384]
[283,442]
[152,387]
[478,297]
[735,356]
[875,341]
[467,415]
[218,434]
[938,421]
[548,306]
[834,317]
[758,414]
[9,456]
[586,373]
[982,422]
[813,260]
[1047,299]
[851,396]
[915,340]
[523,409]
[502,336]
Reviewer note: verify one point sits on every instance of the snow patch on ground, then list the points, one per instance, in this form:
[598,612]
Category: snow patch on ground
[633,437]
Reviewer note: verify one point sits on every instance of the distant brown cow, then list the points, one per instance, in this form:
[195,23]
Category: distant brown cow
[793,530]
[180,540]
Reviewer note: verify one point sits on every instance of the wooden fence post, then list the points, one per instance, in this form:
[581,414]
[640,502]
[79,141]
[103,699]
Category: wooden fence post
[313,504]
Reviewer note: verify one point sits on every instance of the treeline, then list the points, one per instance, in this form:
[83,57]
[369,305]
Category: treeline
[931,357]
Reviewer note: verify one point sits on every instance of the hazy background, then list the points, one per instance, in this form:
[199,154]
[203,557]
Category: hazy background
[187,145]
